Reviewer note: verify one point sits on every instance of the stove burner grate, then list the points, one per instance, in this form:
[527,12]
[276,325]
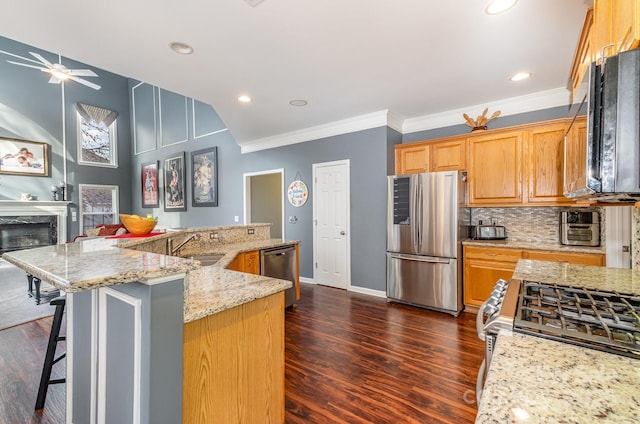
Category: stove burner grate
[607,321]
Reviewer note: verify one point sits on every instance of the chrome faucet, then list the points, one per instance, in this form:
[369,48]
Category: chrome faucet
[173,250]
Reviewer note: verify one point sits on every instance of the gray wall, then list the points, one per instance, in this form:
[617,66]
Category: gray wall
[266,201]
[32,109]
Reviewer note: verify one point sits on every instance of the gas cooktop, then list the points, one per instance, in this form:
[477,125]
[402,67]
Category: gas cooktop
[607,321]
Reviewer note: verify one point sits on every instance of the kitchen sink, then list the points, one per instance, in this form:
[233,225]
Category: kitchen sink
[207,260]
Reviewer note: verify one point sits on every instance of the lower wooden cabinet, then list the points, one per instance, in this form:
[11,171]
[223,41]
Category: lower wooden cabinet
[483,266]
[248,262]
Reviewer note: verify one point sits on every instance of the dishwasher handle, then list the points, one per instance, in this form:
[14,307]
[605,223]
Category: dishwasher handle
[278,251]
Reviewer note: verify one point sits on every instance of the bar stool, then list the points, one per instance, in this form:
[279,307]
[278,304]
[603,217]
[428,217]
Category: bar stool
[36,293]
[50,359]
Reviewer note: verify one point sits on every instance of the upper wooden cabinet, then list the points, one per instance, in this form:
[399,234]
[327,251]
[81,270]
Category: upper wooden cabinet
[544,158]
[610,27]
[448,155]
[495,169]
[411,159]
[575,171]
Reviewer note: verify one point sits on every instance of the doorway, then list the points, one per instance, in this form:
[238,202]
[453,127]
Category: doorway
[331,229]
[264,200]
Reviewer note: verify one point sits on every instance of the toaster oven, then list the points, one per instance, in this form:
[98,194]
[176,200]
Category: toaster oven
[578,228]
[489,232]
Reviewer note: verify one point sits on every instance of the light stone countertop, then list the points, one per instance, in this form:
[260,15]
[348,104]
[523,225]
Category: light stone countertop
[101,262]
[535,380]
[528,245]
[591,277]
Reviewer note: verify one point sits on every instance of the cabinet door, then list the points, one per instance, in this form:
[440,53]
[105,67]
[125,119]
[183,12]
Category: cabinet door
[237,264]
[448,156]
[412,159]
[495,169]
[575,158]
[584,53]
[567,257]
[480,276]
[625,17]
[252,262]
[545,162]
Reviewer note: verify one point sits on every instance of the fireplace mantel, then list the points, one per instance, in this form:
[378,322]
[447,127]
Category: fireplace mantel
[38,207]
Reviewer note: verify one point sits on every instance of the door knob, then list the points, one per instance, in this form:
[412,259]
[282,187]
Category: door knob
[342,233]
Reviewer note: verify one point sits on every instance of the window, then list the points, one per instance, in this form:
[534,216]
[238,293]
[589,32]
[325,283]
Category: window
[96,136]
[98,205]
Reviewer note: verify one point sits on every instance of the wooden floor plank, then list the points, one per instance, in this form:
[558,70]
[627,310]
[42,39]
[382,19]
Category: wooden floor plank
[349,358]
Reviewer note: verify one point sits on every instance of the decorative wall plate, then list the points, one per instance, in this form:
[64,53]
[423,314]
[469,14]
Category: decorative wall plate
[298,193]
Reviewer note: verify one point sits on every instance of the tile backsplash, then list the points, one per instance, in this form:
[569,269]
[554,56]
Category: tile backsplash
[539,224]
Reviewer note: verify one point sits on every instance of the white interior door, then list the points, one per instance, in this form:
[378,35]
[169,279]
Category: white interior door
[331,218]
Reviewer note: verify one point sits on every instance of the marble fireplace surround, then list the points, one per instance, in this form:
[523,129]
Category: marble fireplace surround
[39,208]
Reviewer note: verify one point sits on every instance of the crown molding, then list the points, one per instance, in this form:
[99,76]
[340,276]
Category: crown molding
[511,106]
[345,126]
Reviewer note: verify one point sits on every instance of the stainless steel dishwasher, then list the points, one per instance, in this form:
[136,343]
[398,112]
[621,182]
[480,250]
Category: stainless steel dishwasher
[280,262]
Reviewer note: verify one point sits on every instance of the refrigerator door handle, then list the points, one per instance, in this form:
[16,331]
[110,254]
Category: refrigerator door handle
[418,215]
[429,259]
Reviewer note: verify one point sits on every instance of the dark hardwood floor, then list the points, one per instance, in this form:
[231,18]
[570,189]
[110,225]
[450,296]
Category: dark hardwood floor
[350,358]
[353,358]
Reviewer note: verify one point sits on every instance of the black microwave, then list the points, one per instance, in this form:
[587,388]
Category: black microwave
[612,106]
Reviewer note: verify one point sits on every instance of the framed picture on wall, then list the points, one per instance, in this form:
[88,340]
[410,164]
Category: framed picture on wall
[150,197]
[22,157]
[204,184]
[174,183]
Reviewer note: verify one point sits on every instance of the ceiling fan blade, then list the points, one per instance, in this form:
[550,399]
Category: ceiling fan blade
[54,80]
[82,73]
[84,82]
[42,59]
[24,64]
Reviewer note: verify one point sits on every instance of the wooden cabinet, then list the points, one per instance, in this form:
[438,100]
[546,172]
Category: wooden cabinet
[575,159]
[483,266]
[584,54]
[448,155]
[625,22]
[544,158]
[248,262]
[412,159]
[495,169]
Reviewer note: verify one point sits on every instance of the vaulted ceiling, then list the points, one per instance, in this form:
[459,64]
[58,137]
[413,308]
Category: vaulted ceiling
[415,59]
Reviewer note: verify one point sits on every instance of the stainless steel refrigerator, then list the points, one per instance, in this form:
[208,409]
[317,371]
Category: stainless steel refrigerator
[426,222]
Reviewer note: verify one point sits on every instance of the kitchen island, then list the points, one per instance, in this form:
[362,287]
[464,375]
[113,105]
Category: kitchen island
[158,338]
[536,380]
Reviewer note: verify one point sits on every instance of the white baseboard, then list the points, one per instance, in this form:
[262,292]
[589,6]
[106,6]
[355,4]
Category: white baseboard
[355,289]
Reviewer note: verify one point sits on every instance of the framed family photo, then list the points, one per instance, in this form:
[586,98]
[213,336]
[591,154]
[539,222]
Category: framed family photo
[204,184]
[150,198]
[22,157]
[174,183]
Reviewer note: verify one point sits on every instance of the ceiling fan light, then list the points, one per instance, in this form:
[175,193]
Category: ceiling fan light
[499,6]
[61,75]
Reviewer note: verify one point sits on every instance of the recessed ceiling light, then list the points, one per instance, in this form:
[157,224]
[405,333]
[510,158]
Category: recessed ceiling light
[181,48]
[499,6]
[244,99]
[298,102]
[520,76]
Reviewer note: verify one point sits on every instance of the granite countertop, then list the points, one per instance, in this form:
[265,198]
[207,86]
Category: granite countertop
[101,262]
[529,245]
[535,380]
[587,276]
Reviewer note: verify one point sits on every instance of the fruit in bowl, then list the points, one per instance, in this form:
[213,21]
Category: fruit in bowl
[137,225]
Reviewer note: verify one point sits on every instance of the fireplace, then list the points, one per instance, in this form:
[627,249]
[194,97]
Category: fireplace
[26,232]
[25,225]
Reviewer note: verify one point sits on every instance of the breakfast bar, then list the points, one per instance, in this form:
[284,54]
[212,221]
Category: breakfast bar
[153,337]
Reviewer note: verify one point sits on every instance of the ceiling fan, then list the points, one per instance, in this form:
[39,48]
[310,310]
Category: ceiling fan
[58,71]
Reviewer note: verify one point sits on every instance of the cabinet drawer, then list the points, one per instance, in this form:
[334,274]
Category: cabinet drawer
[493,253]
[571,258]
